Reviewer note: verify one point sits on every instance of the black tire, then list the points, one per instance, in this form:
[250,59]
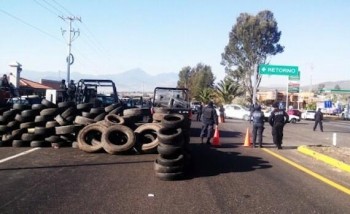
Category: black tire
[42,118]
[4,128]
[49,112]
[97,111]
[53,139]
[50,124]
[89,138]
[171,136]
[44,131]
[13,125]
[169,151]
[170,176]
[293,120]
[28,125]
[112,119]
[11,113]
[100,117]
[48,104]
[163,110]
[38,107]
[142,133]
[117,110]
[18,132]
[175,161]
[30,113]
[39,143]
[84,106]
[66,104]
[173,121]
[60,120]
[167,169]
[117,139]
[20,143]
[88,114]
[29,137]
[111,107]
[20,107]
[68,112]
[83,120]
[69,129]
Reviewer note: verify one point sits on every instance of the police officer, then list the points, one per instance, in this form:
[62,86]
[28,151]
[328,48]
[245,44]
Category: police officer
[209,120]
[318,119]
[258,125]
[63,89]
[199,109]
[277,120]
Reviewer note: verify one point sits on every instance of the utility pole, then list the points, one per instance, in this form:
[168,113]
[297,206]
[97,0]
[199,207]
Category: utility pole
[72,35]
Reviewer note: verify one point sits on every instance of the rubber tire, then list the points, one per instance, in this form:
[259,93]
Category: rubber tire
[48,103]
[49,112]
[146,129]
[20,143]
[170,176]
[169,151]
[171,136]
[124,141]
[167,169]
[173,121]
[112,119]
[176,161]
[293,120]
[83,120]
[86,132]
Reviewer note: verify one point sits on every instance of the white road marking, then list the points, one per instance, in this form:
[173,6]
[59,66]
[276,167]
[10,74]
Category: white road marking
[19,154]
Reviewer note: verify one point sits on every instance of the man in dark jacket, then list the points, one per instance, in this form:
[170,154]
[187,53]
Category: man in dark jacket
[258,125]
[277,120]
[209,120]
[199,109]
[318,119]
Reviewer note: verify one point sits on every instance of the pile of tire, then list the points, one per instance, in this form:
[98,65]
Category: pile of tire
[171,161]
[48,124]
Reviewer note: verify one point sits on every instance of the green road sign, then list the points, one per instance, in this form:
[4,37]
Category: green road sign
[294,78]
[278,70]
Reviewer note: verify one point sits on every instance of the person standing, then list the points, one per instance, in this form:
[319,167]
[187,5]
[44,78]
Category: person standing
[222,114]
[199,110]
[63,89]
[209,120]
[277,120]
[318,119]
[258,125]
[71,90]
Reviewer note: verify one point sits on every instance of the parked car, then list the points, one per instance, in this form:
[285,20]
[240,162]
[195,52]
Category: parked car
[345,115]
[194,106]
[237,111]
[292,118]
[308,115]
[295,112]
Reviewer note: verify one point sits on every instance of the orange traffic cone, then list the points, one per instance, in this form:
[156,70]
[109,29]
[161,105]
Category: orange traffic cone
[216,139]
[247,141]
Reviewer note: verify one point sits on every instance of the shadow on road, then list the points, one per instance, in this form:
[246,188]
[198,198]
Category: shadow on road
[208,161]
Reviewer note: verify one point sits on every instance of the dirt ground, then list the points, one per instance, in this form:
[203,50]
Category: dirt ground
[338,153]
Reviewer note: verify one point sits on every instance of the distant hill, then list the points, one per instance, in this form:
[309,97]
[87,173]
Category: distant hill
[344,84]
[131,80]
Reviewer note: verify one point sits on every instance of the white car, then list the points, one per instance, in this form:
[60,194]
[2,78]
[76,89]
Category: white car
[308,115]
[237,111]
[292,118]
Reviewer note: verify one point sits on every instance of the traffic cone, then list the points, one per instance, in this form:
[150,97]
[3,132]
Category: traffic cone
[247,141]
[216,138]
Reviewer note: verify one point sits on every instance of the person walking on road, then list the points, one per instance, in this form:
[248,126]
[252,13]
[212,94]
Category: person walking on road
[277,120]
[318,119]
[209,122]
[199,110]
[258,125]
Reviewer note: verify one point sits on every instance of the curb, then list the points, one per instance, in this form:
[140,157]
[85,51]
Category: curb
[331,161]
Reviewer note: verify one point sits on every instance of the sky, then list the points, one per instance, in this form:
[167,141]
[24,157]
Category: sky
[161,36]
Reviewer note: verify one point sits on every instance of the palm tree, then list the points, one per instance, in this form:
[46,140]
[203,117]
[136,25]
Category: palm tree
[226,90]
[205,95]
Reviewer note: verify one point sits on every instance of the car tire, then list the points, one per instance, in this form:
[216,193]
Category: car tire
[118,138]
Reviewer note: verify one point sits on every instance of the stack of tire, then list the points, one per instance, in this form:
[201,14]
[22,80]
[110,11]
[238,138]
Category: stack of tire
[170,163]
[46,124]
[118,134]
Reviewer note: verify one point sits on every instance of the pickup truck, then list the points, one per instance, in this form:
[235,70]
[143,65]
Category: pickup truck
[175,100]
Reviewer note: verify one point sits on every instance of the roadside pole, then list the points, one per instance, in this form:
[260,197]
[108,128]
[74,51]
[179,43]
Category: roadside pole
[287,96]
[255,82]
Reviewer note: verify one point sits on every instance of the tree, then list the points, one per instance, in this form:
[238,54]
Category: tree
[337,87]
[226,90]
[205,95]
[196,78]
[320,87]
[251,41]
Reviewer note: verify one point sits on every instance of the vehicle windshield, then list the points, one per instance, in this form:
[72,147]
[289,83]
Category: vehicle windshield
[164,97]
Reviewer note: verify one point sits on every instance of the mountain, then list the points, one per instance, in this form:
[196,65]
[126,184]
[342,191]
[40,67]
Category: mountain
[134,80]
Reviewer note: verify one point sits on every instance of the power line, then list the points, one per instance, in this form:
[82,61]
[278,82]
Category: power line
[61,6]
[43,6]
[30,25]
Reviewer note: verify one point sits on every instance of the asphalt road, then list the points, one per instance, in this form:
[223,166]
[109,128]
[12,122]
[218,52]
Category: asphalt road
[229,179]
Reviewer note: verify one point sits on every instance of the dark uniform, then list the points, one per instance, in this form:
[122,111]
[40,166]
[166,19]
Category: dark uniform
[318,119]
[209,119]
[199,111]
[277,120]
[258,125]
[71,90]
[63,89]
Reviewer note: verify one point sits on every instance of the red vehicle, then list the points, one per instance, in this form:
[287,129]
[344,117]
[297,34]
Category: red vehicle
[295,112]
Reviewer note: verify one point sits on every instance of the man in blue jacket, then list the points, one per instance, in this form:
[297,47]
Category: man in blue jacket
[258,125]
